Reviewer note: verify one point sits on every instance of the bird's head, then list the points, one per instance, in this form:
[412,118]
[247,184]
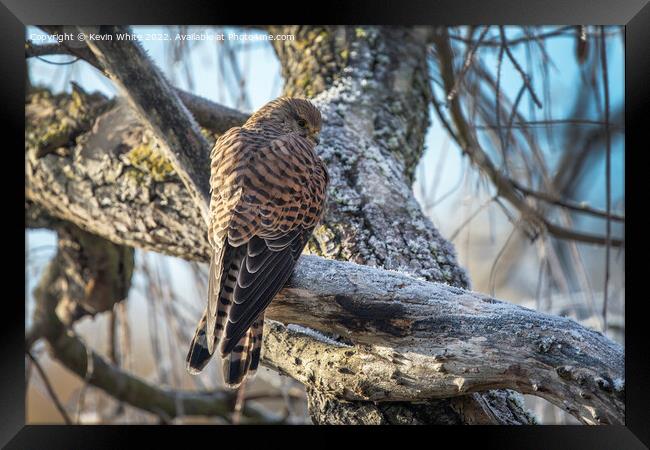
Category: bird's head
[291,115]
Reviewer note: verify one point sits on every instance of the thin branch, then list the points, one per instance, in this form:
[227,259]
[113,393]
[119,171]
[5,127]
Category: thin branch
[453,235]
[528,123]
[524,76]
[81,52]
[50,390]
[608,171]
[240,401]
[70,350]
[90,369]
[493,269]
[469,143]
[497,103]
[112,336]
[513,112]
[559,32]
[469,58]
[577,207]
[213,116]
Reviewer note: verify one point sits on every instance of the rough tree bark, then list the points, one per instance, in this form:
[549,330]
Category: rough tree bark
[91,162]
[416,340]
[372,86]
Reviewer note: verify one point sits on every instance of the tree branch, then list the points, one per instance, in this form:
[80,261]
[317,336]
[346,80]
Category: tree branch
[416,340]
[580,208]
[470,145]
[159,107]
[213,116]
[397,323]
[50,389]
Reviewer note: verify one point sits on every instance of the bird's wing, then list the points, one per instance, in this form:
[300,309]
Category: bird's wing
[282,194]
[229,158]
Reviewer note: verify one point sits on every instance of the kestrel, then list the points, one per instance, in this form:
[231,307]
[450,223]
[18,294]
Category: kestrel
[268,189]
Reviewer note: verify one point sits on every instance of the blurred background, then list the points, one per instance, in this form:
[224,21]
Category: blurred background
[558,94]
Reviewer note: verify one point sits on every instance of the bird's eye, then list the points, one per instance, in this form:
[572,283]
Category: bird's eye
[302,123]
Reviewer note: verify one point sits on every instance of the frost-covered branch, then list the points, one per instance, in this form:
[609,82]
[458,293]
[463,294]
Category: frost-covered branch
[416,340]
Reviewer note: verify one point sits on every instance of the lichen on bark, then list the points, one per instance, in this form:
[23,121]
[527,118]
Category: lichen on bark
[56,120]
[371,84]
[109,178]
[372,87]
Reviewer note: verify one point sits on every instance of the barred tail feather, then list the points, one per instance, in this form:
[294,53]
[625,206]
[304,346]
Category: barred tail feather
[237,362]
[198,356]
[257,329]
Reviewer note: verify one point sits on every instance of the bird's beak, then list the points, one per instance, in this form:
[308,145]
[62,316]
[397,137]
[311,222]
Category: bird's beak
[316,138]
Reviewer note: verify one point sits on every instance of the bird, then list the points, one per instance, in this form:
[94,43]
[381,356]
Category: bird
[268,190]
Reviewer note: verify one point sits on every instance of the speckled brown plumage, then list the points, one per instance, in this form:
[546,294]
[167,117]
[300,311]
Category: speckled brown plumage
[268,191]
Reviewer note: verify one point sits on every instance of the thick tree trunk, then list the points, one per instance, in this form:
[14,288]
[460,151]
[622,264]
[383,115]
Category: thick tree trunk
[373,89]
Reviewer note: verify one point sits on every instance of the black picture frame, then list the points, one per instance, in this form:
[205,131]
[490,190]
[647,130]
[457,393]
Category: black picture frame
[634,14]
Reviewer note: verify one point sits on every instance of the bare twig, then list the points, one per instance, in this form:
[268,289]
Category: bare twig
[90,368]
[50,390]
[125,335]
[524,76]
[528,123]
[567,30]
[511,118]
[453,235]
[240,401]
[561,31]
[210,115]
[577,207]
[497,101]
[112,336]
[213,116]
[493,269]
[469,143]
[469,57]
[608,172]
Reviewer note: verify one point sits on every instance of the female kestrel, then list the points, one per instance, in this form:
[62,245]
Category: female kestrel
[268,190]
